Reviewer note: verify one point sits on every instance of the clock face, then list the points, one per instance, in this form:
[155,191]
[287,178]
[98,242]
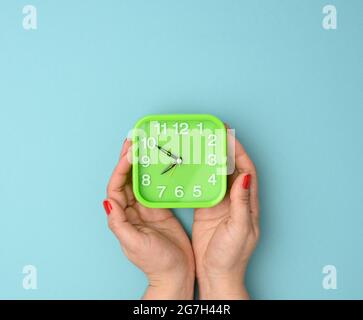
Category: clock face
[179,161]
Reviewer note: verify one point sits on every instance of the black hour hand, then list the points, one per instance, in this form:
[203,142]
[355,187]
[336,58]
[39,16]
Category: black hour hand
[167,169]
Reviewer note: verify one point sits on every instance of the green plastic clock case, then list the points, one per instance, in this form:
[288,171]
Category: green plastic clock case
[179,204]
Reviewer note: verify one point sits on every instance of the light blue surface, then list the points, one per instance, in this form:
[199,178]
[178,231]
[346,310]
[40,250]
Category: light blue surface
[71,90]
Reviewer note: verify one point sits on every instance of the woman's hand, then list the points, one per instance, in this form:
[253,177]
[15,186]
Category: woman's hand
[152,239]
[225,236]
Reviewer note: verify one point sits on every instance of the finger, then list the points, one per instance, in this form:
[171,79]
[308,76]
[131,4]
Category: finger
[254,205]
[152,214]
[133,216]
[243,161]
[245,165]
[120,175]
[237,156]
[231,155]
[129,195]
[125,232]
[240,199]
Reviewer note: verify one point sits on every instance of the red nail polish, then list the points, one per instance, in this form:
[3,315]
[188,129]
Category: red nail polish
[107,206]
[246,181]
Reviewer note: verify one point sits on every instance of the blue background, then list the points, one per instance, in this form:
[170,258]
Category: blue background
[71,90]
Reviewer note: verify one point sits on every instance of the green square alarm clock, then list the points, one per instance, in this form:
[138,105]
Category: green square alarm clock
[179,161]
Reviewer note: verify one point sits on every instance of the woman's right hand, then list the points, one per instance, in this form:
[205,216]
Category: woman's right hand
[153,239]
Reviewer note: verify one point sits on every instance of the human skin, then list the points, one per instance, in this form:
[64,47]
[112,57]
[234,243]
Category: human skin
[223,237]
[152,239]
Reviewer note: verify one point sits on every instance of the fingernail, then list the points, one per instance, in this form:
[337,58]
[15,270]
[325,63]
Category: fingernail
[107,206]
[246,181]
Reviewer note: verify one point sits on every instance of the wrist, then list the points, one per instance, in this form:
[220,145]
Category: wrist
[170,287]
[222,287]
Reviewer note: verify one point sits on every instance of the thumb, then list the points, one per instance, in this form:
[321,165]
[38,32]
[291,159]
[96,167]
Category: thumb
[240,197]
[125,232]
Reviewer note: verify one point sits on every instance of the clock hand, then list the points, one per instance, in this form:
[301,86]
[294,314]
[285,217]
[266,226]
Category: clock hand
[169,154]
[172,171]
[171,166]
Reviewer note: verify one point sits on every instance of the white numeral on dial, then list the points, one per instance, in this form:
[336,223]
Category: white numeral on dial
[200,126]
[161,190]
[212,138]
[212,159]
[197,191]
[145,161]
[149,142]
[181,128]
[179,192]
[146,180]
[160,128]
[212,179]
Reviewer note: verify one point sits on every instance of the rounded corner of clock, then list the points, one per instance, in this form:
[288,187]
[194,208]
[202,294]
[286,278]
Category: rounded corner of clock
[215,119]
[142,120]
[141,199]
[221,195]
